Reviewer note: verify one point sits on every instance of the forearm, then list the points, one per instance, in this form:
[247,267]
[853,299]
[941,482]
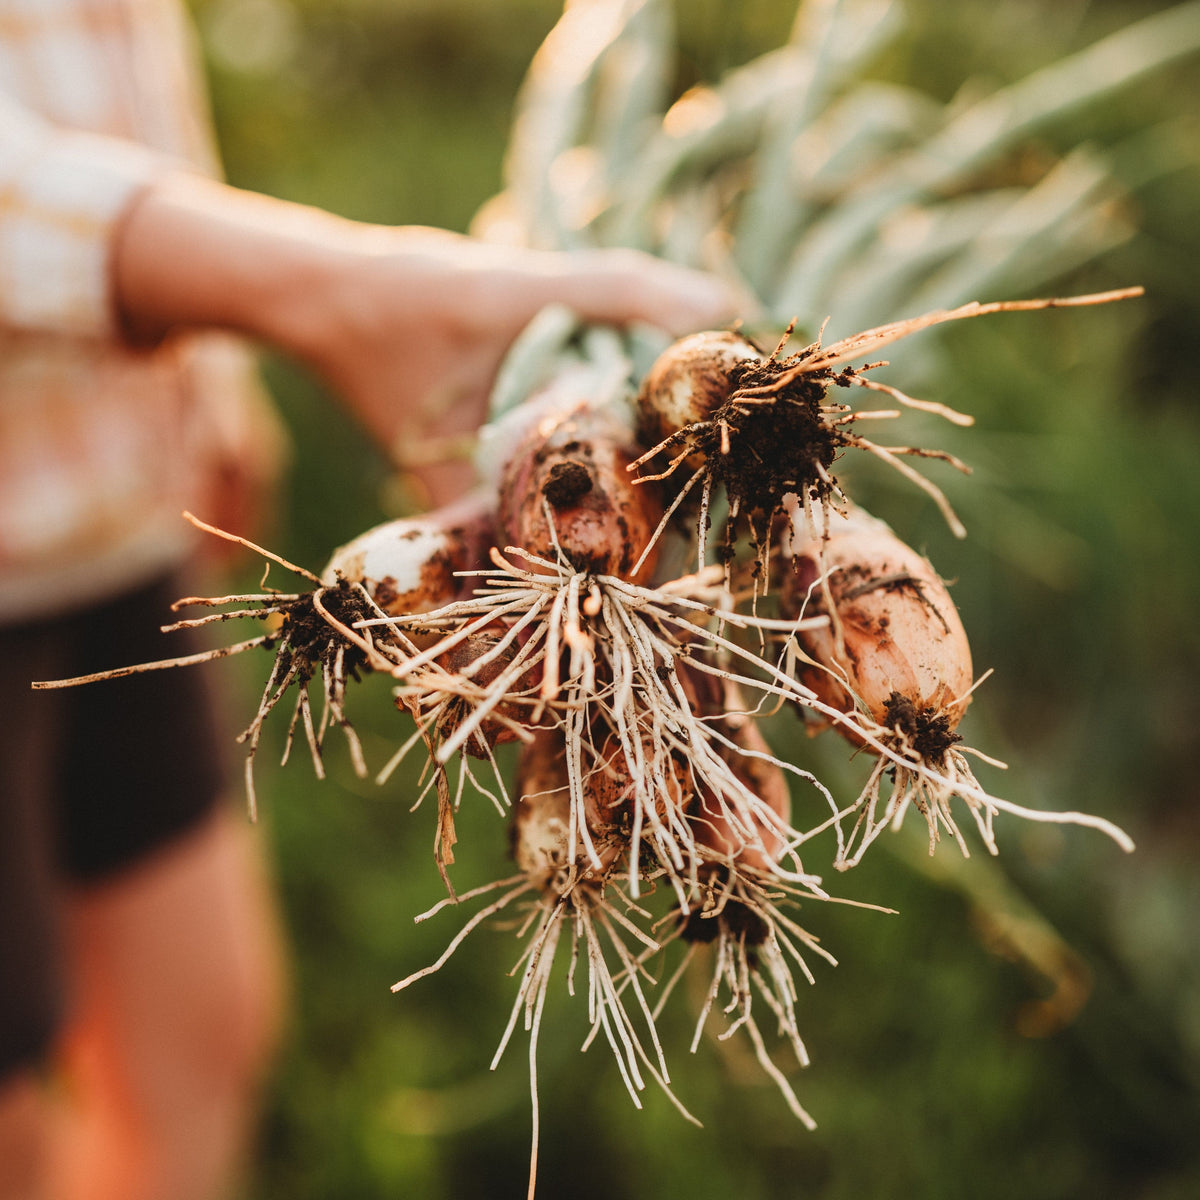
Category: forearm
[192,253]
[343,297]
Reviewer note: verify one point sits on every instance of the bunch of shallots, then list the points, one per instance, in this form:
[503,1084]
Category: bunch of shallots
[582,605]
[649,808]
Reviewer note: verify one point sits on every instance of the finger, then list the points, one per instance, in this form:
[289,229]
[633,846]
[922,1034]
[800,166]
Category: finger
[622,286]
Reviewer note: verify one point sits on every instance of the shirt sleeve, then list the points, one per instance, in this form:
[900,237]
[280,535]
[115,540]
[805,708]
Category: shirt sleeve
[62,195]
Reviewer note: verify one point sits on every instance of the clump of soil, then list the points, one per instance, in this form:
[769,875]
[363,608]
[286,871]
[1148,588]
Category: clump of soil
[924,729]
[774,436]
[307,641]
[762,448]
[735,920]
[567,483]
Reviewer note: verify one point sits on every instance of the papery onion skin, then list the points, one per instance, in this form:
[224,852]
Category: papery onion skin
[571,469]
[541,820]
[408,566]
[609,791]
[903,646]
[495,729]
[688,382]
[722,701]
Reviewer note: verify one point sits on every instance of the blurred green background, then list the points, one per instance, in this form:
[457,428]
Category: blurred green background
[937,1070]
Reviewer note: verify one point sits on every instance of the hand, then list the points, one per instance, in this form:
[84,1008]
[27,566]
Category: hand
[407,324]
[423,318]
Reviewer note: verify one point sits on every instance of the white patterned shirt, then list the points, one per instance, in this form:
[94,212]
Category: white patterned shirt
[102,444]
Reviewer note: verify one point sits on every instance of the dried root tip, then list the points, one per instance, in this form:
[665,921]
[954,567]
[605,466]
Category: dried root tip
[187,660]
[241,541]
[858,345]
[755,947]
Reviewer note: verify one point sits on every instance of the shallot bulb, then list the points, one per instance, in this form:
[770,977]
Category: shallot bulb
[761,845]
[567,489]
[741,902]
[398,569]
[560,897]
[480,660]
[895,644]
[408,566]
[616,807]
[688,383]
[541,820]
[894,650]
[543,842]
[764,428]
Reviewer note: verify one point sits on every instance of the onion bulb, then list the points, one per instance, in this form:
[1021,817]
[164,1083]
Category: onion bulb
[611,789]
[688,383]
[895,648]
[761,846]
[895,644]
[541,823]
[408,566]
[567,488]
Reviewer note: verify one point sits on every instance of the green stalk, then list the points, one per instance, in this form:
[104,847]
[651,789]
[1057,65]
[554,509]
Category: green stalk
[552,109]
[977,136]
[729,121]
[634,90]
[834,38]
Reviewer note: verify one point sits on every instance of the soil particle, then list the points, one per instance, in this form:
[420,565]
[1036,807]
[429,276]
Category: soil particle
[761,451]
[699,928]
[566,483]
[768,439]
[307,640]
[898,583]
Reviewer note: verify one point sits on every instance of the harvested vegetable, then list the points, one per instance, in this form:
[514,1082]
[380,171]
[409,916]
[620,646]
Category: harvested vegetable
[895,652]
[414,565]
[390,572]
[566,494]
[568,593]
[738,908]
[646,796]
[561,893]
[767,430]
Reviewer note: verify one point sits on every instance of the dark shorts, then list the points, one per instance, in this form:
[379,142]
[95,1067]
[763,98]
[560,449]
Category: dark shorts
[94,779]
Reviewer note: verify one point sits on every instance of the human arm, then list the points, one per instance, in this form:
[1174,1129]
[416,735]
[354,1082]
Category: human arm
[407,324]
